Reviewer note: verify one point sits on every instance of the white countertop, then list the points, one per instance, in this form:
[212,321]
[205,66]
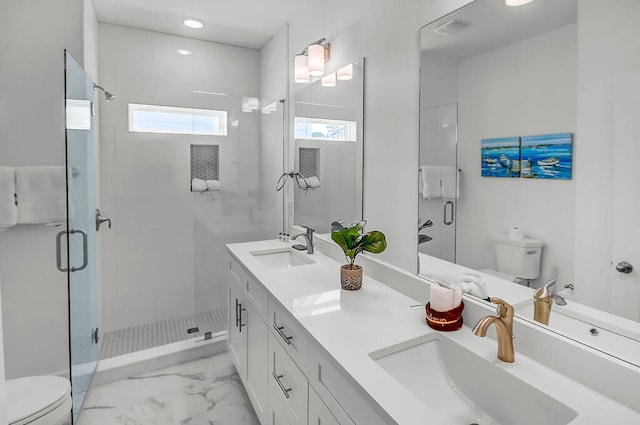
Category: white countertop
[352,324]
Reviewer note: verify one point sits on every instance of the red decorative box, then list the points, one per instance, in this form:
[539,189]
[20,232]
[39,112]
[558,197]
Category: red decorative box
[445,320]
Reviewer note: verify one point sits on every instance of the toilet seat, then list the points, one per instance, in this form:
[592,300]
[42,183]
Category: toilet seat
[38,400]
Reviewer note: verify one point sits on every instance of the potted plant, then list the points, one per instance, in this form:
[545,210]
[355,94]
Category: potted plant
[353,241]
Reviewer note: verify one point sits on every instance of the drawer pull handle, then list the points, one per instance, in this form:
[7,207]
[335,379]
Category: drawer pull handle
[239,321]
[285,391]
[237,312]
[286,338]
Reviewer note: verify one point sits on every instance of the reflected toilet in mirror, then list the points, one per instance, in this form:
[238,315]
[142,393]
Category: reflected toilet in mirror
[517,260]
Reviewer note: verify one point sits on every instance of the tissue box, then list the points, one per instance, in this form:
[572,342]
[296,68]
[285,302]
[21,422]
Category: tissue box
[445,320]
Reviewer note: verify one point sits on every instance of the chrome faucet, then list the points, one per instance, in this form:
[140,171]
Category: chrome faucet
[504,329]
[544,298]
[308,236]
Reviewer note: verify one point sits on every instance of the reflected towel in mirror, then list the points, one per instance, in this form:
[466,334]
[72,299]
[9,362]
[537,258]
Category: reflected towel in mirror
[431,178]
[450,177]
[313,182]
[8,209]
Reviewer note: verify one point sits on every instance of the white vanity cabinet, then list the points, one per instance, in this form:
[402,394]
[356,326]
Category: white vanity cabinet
[289,378]
[248,335]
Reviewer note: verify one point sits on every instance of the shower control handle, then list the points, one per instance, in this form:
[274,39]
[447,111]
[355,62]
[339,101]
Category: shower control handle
[100,219]
[624,267]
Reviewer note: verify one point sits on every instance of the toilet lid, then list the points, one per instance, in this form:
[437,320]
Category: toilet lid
[34,396]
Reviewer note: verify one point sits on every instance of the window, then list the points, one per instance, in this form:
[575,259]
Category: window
[324,129]
[173,120]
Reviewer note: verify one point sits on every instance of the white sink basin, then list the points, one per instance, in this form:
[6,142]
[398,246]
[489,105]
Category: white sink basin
[282,258]
[463,386]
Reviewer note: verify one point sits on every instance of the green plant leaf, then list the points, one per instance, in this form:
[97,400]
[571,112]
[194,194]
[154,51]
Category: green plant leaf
[347,240]
[374,242]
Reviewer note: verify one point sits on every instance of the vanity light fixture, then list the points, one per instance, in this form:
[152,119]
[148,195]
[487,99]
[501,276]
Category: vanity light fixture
[517,2]
[329,80]
[193,23]
[310,62]
[345,73]
[316,59]
[302,68]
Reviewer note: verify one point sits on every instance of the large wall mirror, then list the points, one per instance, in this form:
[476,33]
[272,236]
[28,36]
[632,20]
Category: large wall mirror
[329,149]
[529,135]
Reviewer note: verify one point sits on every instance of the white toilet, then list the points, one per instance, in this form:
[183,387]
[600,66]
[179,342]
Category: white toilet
[38,400]
[517,260]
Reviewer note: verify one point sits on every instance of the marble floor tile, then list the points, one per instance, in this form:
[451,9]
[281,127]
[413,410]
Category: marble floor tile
[207,391]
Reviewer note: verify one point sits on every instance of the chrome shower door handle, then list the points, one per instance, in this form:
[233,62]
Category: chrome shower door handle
[85,250]
[59,251]
[448,221]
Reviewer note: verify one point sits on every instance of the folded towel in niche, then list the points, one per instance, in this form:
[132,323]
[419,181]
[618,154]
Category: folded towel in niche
[213,185]
[313,182]
[8,209]
[41,194]
[450,177]
[431,186]
[198,185]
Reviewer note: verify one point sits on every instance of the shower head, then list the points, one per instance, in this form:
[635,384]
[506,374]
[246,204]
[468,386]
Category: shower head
[107,96]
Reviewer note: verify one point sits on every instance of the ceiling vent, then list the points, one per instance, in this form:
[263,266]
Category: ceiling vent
[451,27]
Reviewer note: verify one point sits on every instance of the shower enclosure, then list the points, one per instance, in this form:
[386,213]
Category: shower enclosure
[80,236]
[180,180]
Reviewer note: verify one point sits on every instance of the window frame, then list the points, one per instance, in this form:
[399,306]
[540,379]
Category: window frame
[350,131]
[220,115]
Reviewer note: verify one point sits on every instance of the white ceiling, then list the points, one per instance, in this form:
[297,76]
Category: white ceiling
[244,23]
[493,25]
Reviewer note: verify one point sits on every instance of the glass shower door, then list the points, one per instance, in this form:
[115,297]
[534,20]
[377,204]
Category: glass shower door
[80,236]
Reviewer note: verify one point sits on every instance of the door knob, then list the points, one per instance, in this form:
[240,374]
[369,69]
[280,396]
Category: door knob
[624,267]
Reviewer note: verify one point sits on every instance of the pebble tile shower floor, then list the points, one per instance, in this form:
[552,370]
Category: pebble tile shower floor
[136,338]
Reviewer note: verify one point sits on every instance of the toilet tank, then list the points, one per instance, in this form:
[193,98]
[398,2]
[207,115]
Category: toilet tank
[519,258]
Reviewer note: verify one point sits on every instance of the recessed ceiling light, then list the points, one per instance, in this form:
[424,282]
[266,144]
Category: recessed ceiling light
[193,23]
[184,52]
[516,2]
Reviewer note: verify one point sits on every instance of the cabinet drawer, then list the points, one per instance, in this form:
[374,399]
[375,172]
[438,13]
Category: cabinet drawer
[287,384]
[289,332]
[339,392]
[256,293]
[319,413]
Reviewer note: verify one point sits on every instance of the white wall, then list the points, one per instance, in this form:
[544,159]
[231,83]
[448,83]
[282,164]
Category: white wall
[33,36]
[148,257]
[607,49]
[525,88]
[388,37]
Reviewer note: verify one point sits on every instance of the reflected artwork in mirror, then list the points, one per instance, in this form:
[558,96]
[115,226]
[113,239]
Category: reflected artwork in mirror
[561,67]
[329,150]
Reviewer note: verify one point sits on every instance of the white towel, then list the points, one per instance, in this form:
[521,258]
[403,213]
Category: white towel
[313,182]
[431,186]
[473,284]
[450,182]
[42,194]
[8,209]
[198,185]
[213,185]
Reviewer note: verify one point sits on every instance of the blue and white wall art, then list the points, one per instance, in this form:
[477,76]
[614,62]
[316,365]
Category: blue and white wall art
[501,157]
[547,156]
